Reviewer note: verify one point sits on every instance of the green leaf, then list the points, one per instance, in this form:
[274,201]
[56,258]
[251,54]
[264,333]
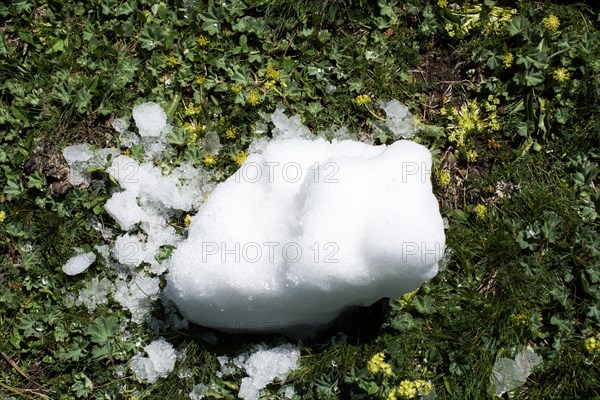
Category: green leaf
[517,25]
[103,329]
[13,188]
[534,78]
[423,304]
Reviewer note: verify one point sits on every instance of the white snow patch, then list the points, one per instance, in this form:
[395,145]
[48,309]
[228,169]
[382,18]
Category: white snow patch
[79,263]
[158,363]
[399,119]
[510,374]
[305,229]
[263,365]
[266,365]
[150,119]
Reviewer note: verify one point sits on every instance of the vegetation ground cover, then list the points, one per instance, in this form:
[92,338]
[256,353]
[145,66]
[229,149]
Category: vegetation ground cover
[507,95]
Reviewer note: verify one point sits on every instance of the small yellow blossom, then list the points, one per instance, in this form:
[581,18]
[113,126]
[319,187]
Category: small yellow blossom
[450,29]
[272,73]
[127,152]
[444,178]
[172,61]
[254,98]
[193,137]
[187,220]
[508,60]
[377,364]
[200,79]
[481,211]
[442,3]
[561,75]
[231,133]
[202,41]
[2,216]
[269,84]
[235,88]
[592,344]
[210,160]
[551,22]
[471,156]
[362,100]
[240,157]
[410,389]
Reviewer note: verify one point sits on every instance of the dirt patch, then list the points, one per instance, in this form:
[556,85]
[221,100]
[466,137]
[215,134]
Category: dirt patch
[444,75]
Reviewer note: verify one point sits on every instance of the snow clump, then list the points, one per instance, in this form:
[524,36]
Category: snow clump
[158,363]
[306,228]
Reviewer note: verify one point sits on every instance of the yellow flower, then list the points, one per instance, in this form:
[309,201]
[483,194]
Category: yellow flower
[240,157]
[254,98]
[172,61]
[481,211]
[202,41]
[127,152]
[269,84]
[551,22]
[592,344]
[362,100]
[407,389]
[272,73]
[231,133]
[508,60]
[442,3]
[200,79]
[187,220]
[210,160]
[2,216]
[410,389]
[193,137]
[377,364]
[235,88]
[561,75]
[444,178]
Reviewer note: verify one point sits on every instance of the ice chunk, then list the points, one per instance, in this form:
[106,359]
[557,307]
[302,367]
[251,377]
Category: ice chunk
[79,263]
[78,157]
[289,127]
[510,374]
[212,143]
[137,294]
[266,365]
[158,363]
[150,119]
[400,121]
[95,293]
[198,392]
[305,229]
[120,125]
[78,153]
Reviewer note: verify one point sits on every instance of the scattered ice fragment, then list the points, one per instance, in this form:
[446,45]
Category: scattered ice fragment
[510,374]
[158,363]
[78,153]
[137,294]
[120,125]
[290,127]
[95,293]
[78,157]
[212,143]
[79,263]
[150,119]
[265,365]
[198,391]
[289,392]
[322,226]
[400,121]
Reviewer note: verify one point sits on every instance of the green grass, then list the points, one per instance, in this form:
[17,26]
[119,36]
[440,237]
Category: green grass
[524,272]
